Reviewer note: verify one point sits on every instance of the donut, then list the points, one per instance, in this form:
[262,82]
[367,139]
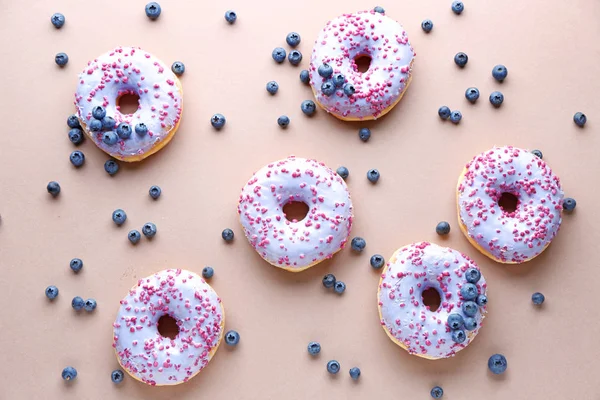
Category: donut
[504,235]
[296,245]
[339,87]
[156,360]
[129,71]
[411,324]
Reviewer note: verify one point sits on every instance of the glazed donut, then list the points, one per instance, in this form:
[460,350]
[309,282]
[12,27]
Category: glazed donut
[128,70]
[504,236]
[296,245]
[339,87]
[414,326]
[156,360]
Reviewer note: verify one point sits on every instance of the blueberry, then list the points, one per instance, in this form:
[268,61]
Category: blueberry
[470,308]
[364,134]
[308,107]
[338,80]
[77,303]
[149,230]
[98,112]
[444,112]
[134,236]
[442,228]
[53,188]
[73,121]
[207,272]
[90,305]
[95,125]
[178,68]
[328,88]
[51,292]
[379,9]
[117,376]
[437,392]
[218,121]
[355,373]
[377,261]
[499,72]
[496,98]
[458,7]
[232,338]
[278,54]
[124,130]
[119,216]
[455,321]
[141,129]
[329,281]
[497,364]
[537,153]
[61,59]
[333,367]
[293,39]
[569,204]
[77,158]
[455,116]
[76,136]
[230,16]
[358,244]
[227,235]
[470,324]
[110,138]
[314,348]
[295,57]
[339,287]
[427,25]
[461,59]
[481,300]
[108,123]
[458,336]
[69,373]
[343,172]
[58,20]
[76,264]
[325,70]
[373,175]
[111,167]
[469,291]
[472,275]
[155,192]
[537,298]
[283,121]
[153,10]
[272,87]
[349,89]
[304,76]
[580,119]
[472,94]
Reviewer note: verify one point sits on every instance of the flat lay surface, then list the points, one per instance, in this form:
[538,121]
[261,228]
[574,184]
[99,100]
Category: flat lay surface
[551,52]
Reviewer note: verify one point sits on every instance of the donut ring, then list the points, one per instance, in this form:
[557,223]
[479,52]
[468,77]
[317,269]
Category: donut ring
[407,321]
[296,245]
[156,360]
[509,237]
[129,70]
[380,88]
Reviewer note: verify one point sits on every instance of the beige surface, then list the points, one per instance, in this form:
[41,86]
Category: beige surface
[551,51]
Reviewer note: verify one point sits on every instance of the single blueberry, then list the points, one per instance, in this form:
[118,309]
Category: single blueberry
[496,98]
[178,68]
[455,321]
[90,305]
[58,20]
[499,72]
[472,94]
[108,123]
[98,112]
[329,281]
[124,130]
[537,298]
[95,125]
[482,300]
[455,116]
[51,292]
[458,336]
[272,87]
[61,59]
[77,303]
[76,136]
[442,228]
[232,338]
[308,107]
[227,235]
[355,373]
[458,7]
[69,373]
[77,158]
[373,175]
[73,121]
[569,204]
[207,272]
[149,230]
[328,88]
[110,138]
[283,121]
[295,57]
[119,216]
[304,76]
[338,80]
[53,188]
[364,134]
[349,89]
[444,112]
[111,167]
[134,236]
[437,392]
[537,153]
[333,367]
[472,275]
[117,376]
[377,261]
[314,348]
[76,264]
[325,70]
[427,25]
[470,324]
[218,121]
[470,308]
[379,9]
[293,39]
[497,364]
[469,291]
[230,16]
[153,10]
[278,54]
[339,287]
[155,191]
[461,59]
[141,129]
[358,244]
[580,119]
[343,172]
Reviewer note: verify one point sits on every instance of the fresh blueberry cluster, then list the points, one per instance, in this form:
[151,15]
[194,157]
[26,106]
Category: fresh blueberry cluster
[329,281]
[446,114]
[88,305]
[472,300]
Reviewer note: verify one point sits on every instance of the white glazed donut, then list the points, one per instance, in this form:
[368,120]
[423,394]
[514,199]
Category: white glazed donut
[156,360]
[128,70]
[412,325]
[296,245]
[509,237]
[380,88]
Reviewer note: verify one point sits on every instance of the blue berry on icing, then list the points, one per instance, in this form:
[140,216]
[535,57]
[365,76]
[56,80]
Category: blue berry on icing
[61,59]
[469,291]
[98,112]
[470,324]
[458,336]
[325,70]
[499,73]
[58,20]
[76,136]
[95,125]
[537,153]
[444,112]
[455,321]
[141,129]
[124,130]
[470,308]
[77,158]
[293,39]
[338,80]
[482,300]
[153,10]
[349,89]
[328,88]
[108,123]
[497,364]
[278,54]
[272,87]
[496,98]
[230,16]
[379,9]
[358,244]
[472,275]
[333,367]
[110,138]
[295,57]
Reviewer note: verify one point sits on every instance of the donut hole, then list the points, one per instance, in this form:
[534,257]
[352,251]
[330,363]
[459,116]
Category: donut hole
[167,327]
[363,63]
[295,211]
[508,202]
[431,298]
[128,103]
